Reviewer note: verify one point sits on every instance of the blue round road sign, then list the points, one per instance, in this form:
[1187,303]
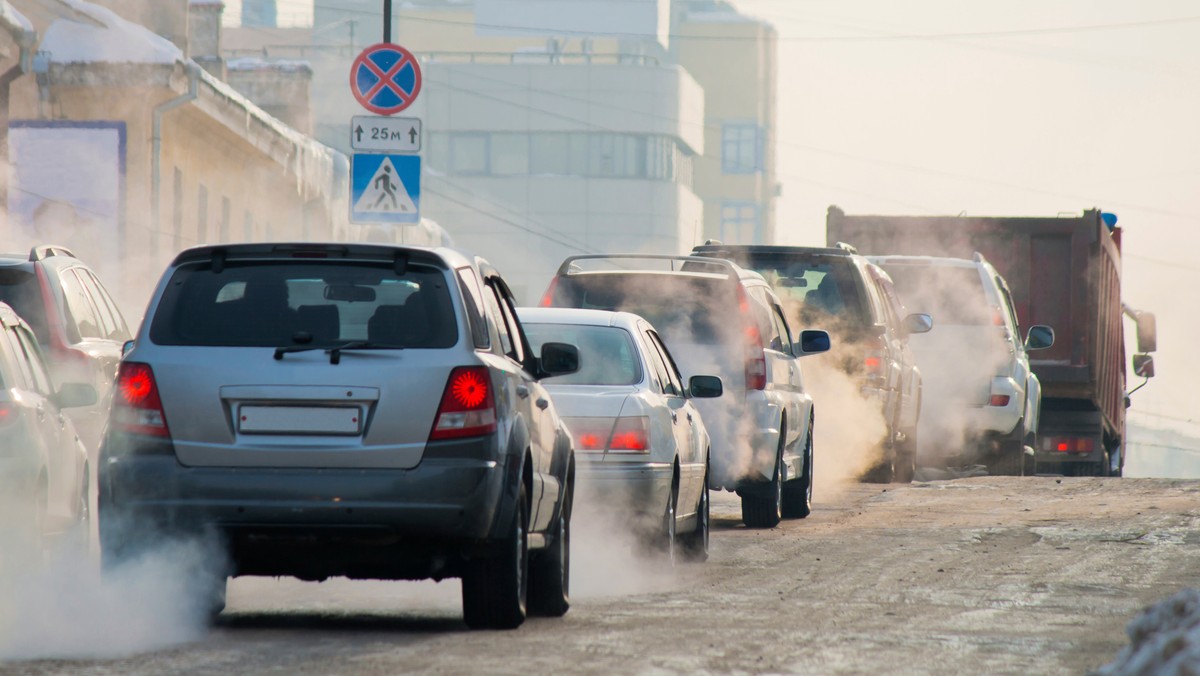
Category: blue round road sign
[385,78]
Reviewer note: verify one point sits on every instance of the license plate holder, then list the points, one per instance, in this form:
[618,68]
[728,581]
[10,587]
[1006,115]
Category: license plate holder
[331,420]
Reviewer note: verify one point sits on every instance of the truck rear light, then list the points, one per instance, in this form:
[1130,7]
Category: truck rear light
[548,297]
[137,408]
[1069,444]
[998,400]
[628,434]
[873,361]
[468,407]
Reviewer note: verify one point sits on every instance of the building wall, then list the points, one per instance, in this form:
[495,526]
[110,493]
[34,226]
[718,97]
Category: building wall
[734,60]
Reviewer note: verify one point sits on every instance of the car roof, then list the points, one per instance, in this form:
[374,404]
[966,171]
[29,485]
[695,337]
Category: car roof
[446,256]
[555,315]
[772,249]
[944,261]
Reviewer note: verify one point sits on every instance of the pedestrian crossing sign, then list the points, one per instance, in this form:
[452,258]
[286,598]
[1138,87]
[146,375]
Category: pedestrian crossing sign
[385,189]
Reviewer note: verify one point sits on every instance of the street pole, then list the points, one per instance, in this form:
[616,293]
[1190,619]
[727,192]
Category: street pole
[387,21]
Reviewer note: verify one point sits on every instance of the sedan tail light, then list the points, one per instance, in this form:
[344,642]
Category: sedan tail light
[8,413]
[628,434]
[137,408]
[468,407]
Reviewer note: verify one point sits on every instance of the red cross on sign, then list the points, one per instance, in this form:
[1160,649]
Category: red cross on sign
[385,78]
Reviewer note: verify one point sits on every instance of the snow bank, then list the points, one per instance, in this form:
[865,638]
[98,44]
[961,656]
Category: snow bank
[110,40]
[1164,639]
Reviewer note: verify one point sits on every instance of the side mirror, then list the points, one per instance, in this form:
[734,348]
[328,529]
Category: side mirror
[1039,337]
[812,341]
[74,395]
[1147,332]
[558,359]
[1143,365]
[705,387]
[917,322]
[126,348]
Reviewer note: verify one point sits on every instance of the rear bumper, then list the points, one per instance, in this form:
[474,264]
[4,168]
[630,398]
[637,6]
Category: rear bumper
[447,508]
[624,490]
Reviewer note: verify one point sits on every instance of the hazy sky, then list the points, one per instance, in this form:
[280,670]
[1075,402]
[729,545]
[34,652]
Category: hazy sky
[1017,108]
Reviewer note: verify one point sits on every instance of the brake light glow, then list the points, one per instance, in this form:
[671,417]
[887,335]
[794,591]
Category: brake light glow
[8,413]
[629,434]
[1069,444]
[998,400]
[137,407]
[468,407]
[548,297]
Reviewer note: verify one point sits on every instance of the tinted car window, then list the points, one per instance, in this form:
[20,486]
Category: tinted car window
[114,323]
[272,304]
[684,308]
[606,353]
[951,295]
[473,300]
[81,313]
[20,290]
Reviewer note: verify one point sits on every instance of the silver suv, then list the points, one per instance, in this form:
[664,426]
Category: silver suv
[344,410]
[718,318]
[983,399]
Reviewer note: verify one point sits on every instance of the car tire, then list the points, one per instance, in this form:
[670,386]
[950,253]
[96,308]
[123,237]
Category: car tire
[1010,458]
[797,493]
[694,545]
[495,590]
[762,506]
[668,543]
[550,571]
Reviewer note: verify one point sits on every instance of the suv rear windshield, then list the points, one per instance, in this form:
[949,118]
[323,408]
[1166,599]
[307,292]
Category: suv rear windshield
[951,295]
[606,353]
[276,304]
[688,308]
[818,286]
[19,288]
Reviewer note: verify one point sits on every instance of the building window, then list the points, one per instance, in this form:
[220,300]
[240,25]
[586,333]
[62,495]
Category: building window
[739,223]
[741,148]
[469,153]
[550,154]
[509,154]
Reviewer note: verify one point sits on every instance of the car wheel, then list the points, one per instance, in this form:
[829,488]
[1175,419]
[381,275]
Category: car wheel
[669,544]
[695,543]
[762,506]
[495,589]
[550,571]
[1010,459]
[797,493]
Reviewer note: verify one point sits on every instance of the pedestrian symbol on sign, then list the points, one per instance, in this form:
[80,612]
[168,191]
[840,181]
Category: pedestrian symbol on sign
[386,193]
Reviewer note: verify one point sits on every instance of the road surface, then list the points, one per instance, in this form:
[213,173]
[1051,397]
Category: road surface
[989,574]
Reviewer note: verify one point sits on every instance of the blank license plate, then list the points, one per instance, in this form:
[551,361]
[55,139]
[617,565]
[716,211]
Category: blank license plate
[299,420]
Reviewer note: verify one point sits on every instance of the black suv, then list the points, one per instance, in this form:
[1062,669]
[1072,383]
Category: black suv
[838,290]
[75,320]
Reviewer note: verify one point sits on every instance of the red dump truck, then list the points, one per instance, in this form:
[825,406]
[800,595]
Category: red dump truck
[1064,272]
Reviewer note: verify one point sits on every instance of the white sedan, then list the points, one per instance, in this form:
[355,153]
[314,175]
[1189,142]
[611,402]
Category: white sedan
[640,445]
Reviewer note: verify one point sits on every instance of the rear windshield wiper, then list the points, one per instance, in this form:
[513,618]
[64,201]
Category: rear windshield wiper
[335,351]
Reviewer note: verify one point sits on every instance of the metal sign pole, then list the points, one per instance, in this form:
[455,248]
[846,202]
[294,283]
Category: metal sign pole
[387,21]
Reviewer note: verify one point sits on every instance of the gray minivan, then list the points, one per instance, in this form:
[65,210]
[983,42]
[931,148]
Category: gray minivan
[347,410]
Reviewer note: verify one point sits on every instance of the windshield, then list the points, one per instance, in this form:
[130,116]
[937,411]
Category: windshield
[606,353]
[951,295]
[286,303]
[816,290]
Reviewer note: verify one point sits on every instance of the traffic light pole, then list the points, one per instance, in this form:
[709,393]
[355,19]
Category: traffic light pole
[387,21]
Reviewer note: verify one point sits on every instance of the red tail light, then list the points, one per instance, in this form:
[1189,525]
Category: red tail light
[873,362]
[137,408]
[1069,444]
[756,359]
[998,400]
[8,413]
[548,297]
[629,434]
[468,407]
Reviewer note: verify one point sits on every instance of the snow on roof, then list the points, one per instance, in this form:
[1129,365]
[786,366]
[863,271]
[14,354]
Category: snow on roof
[114,41]
[258,63]
[719,16]
[11,18]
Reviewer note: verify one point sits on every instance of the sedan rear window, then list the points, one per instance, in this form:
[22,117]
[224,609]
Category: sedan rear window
[606,353]
[285,303]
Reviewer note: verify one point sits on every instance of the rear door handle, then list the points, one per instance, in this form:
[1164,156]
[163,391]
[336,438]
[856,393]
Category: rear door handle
[542,403]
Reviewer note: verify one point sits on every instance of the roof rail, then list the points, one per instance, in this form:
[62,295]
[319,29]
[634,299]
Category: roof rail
[571,264]
[44,251]
[978,258]
[848,248]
